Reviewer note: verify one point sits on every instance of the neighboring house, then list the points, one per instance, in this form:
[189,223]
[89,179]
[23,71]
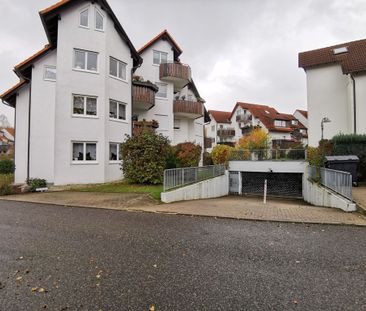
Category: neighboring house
[177,105]
[6,140]
[336,89]
[73,101]
[219,129]
[302,116]
[283,129]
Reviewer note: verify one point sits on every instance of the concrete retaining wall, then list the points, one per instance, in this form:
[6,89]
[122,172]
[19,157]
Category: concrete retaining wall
[211,188]
[318,195]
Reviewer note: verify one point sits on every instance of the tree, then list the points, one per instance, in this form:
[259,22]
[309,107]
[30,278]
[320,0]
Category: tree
[144,157]
[257,139]
[221,154]
[188,154]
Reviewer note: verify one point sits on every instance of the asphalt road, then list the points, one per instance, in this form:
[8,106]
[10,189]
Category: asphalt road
[59,258]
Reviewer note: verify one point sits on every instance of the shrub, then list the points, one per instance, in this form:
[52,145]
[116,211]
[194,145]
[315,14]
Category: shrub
[207,158]
[144,157]
[171,159]
[6,181]
[7,166]
[257,139]
[221,154]
[35,183]
[316,155]
[352,144]
[188,154]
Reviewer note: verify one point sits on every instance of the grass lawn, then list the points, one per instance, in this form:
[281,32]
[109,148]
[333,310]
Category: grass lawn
[123,187]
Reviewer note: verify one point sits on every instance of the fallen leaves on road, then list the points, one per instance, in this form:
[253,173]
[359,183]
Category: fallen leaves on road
[152,308]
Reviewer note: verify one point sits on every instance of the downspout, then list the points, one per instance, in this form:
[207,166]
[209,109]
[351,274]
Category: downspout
[133,69]
[354,105]
[29,127]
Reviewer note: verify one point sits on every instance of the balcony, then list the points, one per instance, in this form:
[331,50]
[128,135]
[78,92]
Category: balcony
[208,142]
[188,109]
[226,133]
[139,126]
[176,73]
[143,95]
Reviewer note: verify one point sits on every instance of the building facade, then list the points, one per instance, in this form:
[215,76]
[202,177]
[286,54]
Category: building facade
[219,130]
[77,97]
[336,89]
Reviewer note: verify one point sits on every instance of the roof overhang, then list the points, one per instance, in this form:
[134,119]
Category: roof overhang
[9,96]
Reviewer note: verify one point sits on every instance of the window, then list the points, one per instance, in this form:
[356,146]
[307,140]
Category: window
[117,68]
[84,18]
[176,124]
[85,60]
[117,110]
[303,131]
[163,90]
[99,21]
[114,152]
[294,122]
[280,123]
[84,105]
[84,152]
[212,128]
[160,57]
[50,73]
[238,112]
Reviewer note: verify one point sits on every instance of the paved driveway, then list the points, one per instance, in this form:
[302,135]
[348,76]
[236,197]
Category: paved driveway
[228,207]
[57,258]
[359,195]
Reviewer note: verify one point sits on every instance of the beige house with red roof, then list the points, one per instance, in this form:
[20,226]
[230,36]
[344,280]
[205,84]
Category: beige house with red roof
[336,89]
[219,130]
[284,129]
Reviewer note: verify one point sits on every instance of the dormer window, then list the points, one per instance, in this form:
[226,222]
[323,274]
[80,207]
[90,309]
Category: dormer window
[340,50]
[280,123]
[84,18]
[99,21]
[294,122]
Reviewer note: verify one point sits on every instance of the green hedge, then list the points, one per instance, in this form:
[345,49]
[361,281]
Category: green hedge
[352,144]
[7,166]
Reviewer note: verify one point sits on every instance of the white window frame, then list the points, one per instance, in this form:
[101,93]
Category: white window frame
[95,20]
[160,53]
[119,157]
[280,123]
[84,161]
[177,124]
[82,11]
[119,103]
[166,85]
[86,61]
[46,67]
[84,115]
[294,122]
[118,67]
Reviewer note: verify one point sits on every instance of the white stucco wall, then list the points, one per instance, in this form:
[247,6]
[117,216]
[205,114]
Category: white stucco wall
[268,166]
[360,103]
[21,135]
[42,130]
[301,118]
[328,96]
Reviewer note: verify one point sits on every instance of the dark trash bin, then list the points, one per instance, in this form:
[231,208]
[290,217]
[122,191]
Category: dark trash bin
[347,163]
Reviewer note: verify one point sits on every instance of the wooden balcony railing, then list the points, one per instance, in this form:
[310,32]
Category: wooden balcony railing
[189,108]
[175,70]
[243,118]
[143,95]
[208,142]
[228,132]
[139,126]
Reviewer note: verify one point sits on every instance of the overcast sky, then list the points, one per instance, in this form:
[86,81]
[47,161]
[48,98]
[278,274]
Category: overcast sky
[239,50]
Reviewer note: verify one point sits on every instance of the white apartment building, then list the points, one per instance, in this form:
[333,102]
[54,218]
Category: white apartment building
[178,107]
[336,89]
[284,129]
[74,101]
[219,130]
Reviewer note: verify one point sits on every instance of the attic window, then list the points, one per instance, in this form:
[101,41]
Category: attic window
[267,112]
[294,122]
[84,18]
[340,50]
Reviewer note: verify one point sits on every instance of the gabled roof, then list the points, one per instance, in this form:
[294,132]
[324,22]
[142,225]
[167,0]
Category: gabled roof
[9,96]
[164,35]
[303,112]
[352,59]
[267,115]
[220,116]
[50,15]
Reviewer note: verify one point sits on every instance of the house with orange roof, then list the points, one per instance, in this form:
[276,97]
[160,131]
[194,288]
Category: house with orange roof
[178,107]
[336,83]
[219,130]
[284,129]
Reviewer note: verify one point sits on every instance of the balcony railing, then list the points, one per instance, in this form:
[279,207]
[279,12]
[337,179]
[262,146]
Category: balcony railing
[228,132]
[208,142]
[143,94]
[244,118]
[177,73]
[139,126]
[268,155]
[188,109]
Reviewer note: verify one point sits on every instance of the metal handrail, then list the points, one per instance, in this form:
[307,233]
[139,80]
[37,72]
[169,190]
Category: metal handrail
[268,155]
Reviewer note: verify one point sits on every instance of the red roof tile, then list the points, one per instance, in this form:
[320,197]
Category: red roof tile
[13,89]
[54,6]
[220,116]
[34,57]
[352,61]
[163,35]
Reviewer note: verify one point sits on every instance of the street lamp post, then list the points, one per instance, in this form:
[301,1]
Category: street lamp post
[324,120]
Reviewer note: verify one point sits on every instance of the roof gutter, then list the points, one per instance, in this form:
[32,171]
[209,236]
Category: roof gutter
[354,105]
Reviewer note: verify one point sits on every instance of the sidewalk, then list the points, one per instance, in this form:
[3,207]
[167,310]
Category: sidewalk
[229,207]
[359,196]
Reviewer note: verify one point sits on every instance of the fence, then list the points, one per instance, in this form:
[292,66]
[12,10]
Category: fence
[177,177]
[338,181]
[268,154]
